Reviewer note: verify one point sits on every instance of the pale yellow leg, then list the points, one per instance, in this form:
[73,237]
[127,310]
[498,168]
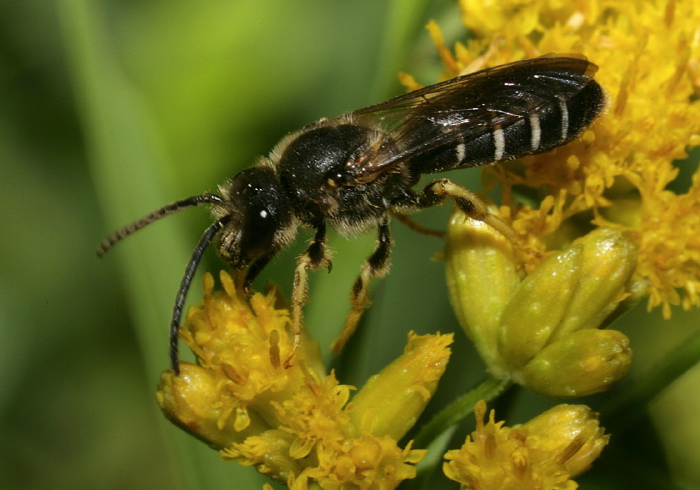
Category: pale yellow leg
[359,301]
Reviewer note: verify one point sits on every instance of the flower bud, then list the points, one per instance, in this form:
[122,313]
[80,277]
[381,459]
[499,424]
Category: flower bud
[548,330]
[571,433]
[580,364]
[192,402]
[390,402]
[607,264]
[537,307]
[481,276]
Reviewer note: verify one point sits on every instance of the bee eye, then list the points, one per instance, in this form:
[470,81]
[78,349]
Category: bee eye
[263,212]
[258,232]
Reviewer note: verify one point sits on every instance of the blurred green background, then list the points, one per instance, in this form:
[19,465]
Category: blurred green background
[111,109]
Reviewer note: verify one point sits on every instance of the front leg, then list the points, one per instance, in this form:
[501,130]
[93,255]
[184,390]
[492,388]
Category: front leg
[377,265]
[315,257]
[436,192]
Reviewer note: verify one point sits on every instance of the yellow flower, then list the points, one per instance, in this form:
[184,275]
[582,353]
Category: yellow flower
[297,425]
[238,347]
[545,452]
[617,174]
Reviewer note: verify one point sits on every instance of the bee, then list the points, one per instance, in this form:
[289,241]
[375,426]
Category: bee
[355,171]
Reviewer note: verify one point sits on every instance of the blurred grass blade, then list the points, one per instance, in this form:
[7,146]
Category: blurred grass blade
[128,169]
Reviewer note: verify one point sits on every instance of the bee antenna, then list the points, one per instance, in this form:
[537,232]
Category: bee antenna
[166,210]
[204,241]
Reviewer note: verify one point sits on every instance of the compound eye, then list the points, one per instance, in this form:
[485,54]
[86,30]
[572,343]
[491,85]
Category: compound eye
[261,213]
[259,230]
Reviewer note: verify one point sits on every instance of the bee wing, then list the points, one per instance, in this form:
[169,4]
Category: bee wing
[525,101]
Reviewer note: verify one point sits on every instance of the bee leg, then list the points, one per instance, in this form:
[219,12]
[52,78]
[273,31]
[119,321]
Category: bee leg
[436,192]
[315,257]
[377,265]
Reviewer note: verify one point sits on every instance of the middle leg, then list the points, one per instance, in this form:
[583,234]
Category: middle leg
[377,265]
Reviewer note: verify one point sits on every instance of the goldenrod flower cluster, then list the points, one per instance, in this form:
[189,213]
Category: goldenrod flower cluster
[301,427]
[297,425]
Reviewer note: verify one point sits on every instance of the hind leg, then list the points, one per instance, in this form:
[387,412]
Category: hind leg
[436,192]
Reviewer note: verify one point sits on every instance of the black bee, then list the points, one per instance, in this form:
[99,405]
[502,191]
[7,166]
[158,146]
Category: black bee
[356,170]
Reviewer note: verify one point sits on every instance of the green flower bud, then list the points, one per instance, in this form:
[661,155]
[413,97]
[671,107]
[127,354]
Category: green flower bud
[582,363]
[607,264]
[538,306]
[569,291]
[390,402]
[481,276]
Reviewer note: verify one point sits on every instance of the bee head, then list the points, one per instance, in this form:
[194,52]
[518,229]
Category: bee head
[259,217]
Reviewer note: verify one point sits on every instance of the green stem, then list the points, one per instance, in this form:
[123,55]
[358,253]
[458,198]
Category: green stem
[404,18]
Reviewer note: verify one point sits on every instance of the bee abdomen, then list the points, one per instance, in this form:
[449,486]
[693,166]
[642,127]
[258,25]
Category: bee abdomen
[539,130]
